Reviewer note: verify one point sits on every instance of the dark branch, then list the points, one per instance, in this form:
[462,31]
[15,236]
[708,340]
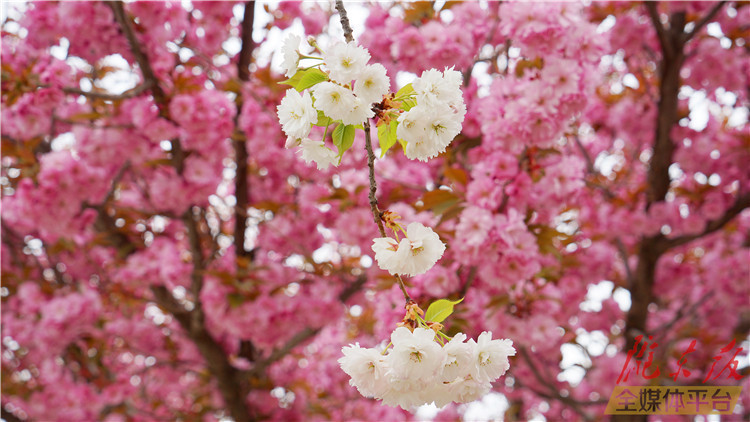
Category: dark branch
[248,45]
[353,288]
[660,31]
[132,93]
[241,185]
[231,385]
[344,21]
[624,256]
[135,47]
[742,202]
[658,180]
[703,22]
[150,79]
[682,312]
[553,393]
[304,334]
[10,417]
[376,214]
[196,275]
[669,86]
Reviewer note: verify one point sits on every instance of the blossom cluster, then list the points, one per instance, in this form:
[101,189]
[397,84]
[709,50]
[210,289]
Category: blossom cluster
[416,253]
[418,370]
[342,88]
[430,126]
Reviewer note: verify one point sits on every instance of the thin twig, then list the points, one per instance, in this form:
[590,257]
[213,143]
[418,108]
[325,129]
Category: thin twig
[242,187]
[135,47]
[742,202]
[683,311]
[553,393]
[376,214]
[178,155]
[304,334]
[344,21]
[138,90]
[624,256]
[703,22]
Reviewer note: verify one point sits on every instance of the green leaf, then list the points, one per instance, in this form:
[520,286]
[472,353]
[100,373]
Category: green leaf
[311,77]
[440,309]
[408,104]
[294,80]
[387,136]
[305,78]
[343,137]
[405,90]
[323,120]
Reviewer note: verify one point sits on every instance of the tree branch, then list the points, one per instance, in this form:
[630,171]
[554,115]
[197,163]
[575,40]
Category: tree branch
[553,393]
[344,21]
[376,214]
[742,202]
[660,31]
[149,77]
[669,86]
[703,22]
[683,311]
[241,186]
[231,385]
[135,47]
[8,416]
[132,93]
[248,45]
[658,180]
[624,256]
[304,334]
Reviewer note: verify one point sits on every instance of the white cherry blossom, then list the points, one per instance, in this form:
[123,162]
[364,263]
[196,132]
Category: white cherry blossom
[413,255]
[296,113]
[491,357]
[367,369]
[434,88]
[372,84]
[467,389]
[346,62]
[316,151]
[458,358]
[415,355]
[418,370]
[290,53]
[339,103]
[387,253]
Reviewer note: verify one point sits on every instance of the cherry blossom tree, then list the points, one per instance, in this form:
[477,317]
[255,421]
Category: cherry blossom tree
[227,237]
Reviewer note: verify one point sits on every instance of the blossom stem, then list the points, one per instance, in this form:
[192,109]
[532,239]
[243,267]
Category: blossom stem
[370,155]
[405,97]
[446,336]
[374,200]
[328,123]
